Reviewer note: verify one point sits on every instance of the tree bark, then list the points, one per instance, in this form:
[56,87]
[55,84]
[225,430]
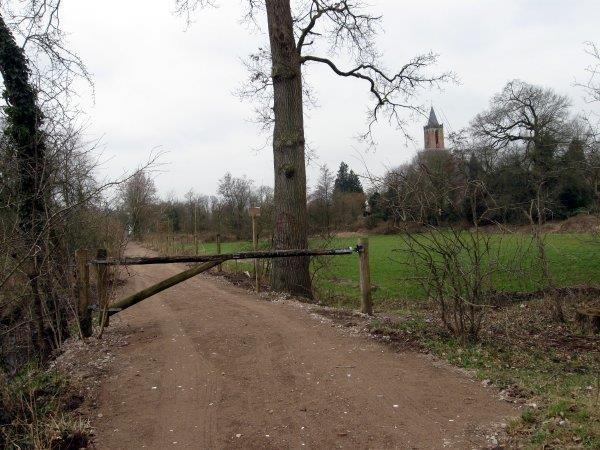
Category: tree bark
[288,274]
[23,127]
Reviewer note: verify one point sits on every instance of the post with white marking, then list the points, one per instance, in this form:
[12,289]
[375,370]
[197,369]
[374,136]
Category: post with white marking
[365,277]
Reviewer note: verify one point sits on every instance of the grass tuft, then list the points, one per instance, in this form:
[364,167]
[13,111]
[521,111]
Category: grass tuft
[34,412]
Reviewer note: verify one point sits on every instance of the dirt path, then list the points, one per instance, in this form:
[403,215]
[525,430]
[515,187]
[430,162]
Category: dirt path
[209,366]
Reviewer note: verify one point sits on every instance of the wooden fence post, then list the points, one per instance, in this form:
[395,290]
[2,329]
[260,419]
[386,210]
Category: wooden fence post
[101,278]
[83,288]
[365,277]
[254,213]
[196,229]
[255,247]
[220,266]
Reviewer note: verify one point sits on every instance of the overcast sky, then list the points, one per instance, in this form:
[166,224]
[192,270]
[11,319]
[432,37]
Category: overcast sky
[160,85]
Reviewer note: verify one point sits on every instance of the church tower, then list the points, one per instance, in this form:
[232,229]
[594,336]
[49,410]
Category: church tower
[434,133]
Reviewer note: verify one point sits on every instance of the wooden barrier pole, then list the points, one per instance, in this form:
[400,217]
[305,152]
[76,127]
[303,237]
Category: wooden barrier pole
[83,288]
[161,286]
[220,268]
[260,254]
[365,277]
[101,279]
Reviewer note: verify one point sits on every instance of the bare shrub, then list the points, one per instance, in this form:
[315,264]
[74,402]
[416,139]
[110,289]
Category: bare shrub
[457,268]
[457,264]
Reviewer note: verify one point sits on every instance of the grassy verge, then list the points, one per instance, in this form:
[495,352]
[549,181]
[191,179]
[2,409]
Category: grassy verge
[36,412]
[551,371]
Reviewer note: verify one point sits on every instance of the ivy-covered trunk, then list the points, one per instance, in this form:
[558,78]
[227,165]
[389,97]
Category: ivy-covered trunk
[288,274]
[23,127]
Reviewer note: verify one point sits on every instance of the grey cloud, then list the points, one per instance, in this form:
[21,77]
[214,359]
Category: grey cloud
[158,84]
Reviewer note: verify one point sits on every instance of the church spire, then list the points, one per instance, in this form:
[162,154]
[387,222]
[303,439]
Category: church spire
[434,133]
[433,122]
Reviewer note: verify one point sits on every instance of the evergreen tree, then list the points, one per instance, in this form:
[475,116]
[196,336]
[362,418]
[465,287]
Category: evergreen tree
[377,207]
[347,181]
[575,192]
[322,200]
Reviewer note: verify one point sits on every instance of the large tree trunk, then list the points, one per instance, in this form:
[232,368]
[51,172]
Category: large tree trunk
[23,127]
[288,274]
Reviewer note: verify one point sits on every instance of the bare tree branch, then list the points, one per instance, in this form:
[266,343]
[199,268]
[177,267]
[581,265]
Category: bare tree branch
[392,92]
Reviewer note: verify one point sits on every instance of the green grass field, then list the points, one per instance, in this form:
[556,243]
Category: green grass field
[573,260]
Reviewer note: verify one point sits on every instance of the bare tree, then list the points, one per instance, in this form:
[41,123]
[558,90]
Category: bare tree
[36,27]
[592,89]
[322,199]
[298,38]
[592,84]
[137,196]
[538,121]
[236,194]
[262,197]
[525,113]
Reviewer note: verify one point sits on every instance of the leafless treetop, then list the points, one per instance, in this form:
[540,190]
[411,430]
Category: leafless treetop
[36,25]
[340,34]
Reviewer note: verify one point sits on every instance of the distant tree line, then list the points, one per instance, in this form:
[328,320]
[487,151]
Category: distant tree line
[207,215]
[335,203]
[528,157]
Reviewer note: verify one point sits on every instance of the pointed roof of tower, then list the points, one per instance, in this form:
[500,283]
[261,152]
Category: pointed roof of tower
[433,122]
